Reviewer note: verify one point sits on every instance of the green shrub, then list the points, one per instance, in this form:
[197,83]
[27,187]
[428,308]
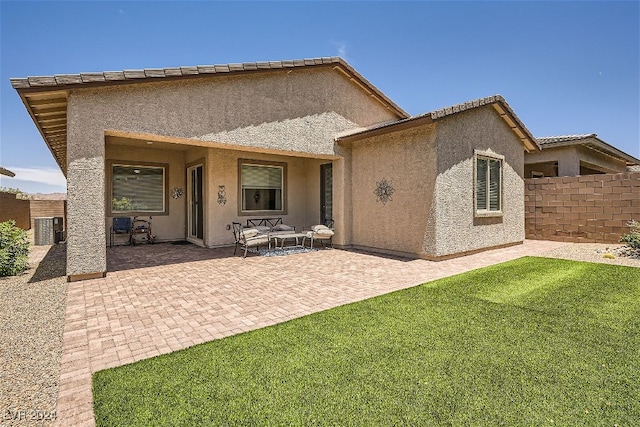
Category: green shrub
[633,238]
[14,249]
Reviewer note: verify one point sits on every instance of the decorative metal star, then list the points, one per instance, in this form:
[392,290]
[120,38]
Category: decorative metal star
[176,193]
[384,190]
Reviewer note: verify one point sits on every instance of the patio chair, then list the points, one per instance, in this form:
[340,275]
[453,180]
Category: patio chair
[322,233]
[120,225]
[249,238]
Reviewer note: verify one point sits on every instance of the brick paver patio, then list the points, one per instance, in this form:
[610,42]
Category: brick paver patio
[160,298]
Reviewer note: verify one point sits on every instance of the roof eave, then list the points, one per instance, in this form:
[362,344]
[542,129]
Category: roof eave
[609,149]
[6,172]
[499,104]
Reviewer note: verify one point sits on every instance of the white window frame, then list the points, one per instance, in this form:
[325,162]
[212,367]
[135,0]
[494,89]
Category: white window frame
[283,188]
[140,165]
[485,211]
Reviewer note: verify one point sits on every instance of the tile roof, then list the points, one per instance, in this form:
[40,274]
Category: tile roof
[563,138]
[147,73]
[506,112]
[589,140]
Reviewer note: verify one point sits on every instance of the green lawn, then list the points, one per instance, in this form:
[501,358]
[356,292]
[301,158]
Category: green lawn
[533,341]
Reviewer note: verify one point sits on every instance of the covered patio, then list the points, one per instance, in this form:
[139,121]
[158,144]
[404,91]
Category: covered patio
[195,190]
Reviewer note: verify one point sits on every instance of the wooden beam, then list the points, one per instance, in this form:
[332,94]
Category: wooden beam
[47,101]
[44,112]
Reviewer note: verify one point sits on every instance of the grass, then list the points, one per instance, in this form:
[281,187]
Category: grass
[533,341]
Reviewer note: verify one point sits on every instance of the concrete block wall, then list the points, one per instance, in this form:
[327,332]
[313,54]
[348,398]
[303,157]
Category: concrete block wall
[587,209]
[47,208]
[16,209]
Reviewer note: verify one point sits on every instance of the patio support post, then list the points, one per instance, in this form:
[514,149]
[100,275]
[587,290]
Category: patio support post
[342,209]
[86,236]
[569,165]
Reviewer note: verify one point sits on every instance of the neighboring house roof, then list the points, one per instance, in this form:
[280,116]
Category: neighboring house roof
[588,140]
[45,97]
[496,101]
[6,172]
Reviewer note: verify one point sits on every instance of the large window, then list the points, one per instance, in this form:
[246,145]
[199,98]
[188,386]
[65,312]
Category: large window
[138,189]
[488,182]
[262,187]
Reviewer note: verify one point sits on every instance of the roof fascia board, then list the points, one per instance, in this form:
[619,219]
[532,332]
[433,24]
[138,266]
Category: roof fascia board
[385,128]
[613,151]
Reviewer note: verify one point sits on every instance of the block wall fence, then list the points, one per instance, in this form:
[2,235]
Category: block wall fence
[24,212]
[15,209]
[583,209]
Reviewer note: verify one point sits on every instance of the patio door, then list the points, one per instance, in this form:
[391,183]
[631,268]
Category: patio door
[195,201]
[326,192]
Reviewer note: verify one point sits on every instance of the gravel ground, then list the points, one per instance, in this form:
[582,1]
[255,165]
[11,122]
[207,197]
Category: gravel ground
[595,252]
[32,313]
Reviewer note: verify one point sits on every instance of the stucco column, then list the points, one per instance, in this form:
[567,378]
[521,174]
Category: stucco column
[86,237]
[342,203]
[569,165]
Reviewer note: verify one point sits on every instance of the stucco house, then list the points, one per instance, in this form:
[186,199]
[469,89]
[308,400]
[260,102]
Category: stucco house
[573,155]
[201,147]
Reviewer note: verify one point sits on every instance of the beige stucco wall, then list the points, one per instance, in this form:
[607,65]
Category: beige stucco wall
[431,168]
[296,109]
[569,159]
[299,110]
[406,159]
[457,229]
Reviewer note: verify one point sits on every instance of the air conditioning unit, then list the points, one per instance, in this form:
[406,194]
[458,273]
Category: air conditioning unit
[48,230]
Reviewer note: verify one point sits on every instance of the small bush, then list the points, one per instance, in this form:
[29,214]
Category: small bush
[14,249]
[633,238]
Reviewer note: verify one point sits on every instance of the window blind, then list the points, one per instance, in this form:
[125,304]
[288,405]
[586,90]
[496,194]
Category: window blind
[137,189]
[261,177]
[488,184]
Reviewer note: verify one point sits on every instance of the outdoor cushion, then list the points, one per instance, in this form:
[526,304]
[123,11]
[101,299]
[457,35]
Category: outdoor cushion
[283,227]
[324,232]
[262,228]
[257,240]
[249,232]
[319,227]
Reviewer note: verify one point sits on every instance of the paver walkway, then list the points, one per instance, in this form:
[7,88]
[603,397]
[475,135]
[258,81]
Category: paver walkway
[160,298]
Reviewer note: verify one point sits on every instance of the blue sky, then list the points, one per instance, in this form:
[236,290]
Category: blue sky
[564,67]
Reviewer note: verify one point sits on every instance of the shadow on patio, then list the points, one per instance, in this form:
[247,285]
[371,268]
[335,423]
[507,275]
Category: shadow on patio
[141,256]
[53,264]
[121,258]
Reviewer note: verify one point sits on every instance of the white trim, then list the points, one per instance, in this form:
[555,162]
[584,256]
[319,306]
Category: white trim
[489,155]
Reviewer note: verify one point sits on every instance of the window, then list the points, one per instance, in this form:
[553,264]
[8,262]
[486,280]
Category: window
[138,189]
[262,187]
[488,184]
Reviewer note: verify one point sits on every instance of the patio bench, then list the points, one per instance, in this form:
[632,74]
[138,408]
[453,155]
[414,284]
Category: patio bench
[273,226]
